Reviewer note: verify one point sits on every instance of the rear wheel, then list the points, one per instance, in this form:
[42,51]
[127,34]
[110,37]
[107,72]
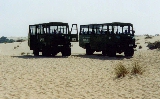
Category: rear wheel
[46,51]
[129,52]
[89,51]
[36,52]
[104,52]
[66,51]
[54,51]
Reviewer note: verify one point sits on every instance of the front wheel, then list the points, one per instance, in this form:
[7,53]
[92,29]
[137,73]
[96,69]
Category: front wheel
[46,51]
[129,52]
[89,51]
[54,53]
[36,52]
[66,52]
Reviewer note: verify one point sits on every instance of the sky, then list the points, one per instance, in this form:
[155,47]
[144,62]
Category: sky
[17,15]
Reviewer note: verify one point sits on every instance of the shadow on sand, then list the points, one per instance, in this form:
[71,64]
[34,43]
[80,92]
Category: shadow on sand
[94,56]
[40,56]
[101,57]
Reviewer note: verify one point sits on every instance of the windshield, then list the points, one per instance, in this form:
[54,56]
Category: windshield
[57,30]
[106,29]
[123,29]
[91,29]
[84,30]
[32,30]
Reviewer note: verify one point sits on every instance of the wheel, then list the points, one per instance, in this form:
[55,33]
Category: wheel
[66,52]
[104,52]
[89,51]
[54,51]
[36,52]
[46,51]
[129,52]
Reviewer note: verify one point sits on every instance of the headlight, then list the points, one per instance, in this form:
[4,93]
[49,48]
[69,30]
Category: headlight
[130,44]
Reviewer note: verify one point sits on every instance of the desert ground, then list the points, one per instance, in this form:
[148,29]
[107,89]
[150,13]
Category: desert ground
[25,76]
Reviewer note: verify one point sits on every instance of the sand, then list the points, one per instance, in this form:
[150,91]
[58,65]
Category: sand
[77,76]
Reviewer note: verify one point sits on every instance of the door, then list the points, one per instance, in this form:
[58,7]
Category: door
[32,37]
[74,33]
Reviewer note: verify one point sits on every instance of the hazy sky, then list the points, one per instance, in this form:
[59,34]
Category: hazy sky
[16,15]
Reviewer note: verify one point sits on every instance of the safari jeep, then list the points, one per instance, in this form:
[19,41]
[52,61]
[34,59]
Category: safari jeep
[110,38]
[52,38]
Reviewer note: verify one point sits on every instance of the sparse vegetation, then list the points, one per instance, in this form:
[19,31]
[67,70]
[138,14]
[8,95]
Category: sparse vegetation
[156,34]
[140,47]
[20,40]
[148,37]
[137,43]
[6,40]
[146,42]
[121,70]
[28,53]
[135,49]
[137,69]
[137,39]
[22,53]
[151,45]
[15,47]
[157,44]
[154,45]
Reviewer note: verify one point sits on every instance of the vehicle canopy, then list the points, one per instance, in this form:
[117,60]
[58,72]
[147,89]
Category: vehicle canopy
[107,28]
[49,28]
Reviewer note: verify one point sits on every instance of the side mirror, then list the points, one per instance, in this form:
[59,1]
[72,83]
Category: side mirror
[29,30]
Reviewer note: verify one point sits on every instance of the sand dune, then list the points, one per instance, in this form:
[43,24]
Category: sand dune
[141,41]
[77,76]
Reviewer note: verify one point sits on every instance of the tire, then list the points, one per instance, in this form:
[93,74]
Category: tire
[104,52]
[129,52]
[66,52]
[46,51]
[54,51]
[69,52]
[89,51]
[35,52]
[43,53]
